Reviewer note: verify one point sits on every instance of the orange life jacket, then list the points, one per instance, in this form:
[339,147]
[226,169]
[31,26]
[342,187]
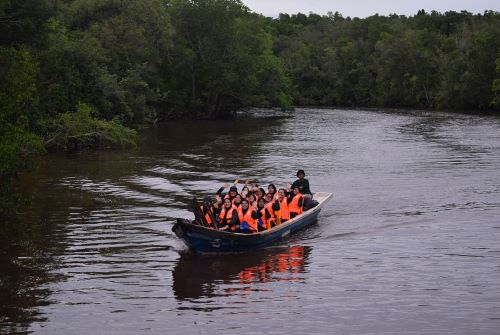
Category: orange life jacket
[264,219]
[232,200]
[284,209]
[226,218]
[293,206]
[207,216]
[275,215]
[268,215]
[253,223]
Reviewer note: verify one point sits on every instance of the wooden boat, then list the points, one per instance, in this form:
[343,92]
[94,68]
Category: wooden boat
[206,240]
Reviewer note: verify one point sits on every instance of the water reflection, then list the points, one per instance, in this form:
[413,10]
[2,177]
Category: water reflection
[448,133]
[24,274]
[197,276]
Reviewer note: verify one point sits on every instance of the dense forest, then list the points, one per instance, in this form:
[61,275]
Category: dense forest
[89,73]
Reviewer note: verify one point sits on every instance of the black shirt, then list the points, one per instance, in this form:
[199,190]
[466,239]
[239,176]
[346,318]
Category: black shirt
[303,186]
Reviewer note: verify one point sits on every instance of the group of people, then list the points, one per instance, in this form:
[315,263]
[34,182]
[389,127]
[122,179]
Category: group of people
[253,209]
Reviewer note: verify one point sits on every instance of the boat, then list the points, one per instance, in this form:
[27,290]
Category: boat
[202,239]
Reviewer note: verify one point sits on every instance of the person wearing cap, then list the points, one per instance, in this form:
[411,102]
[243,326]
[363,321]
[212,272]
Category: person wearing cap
[303,184]
[233,191]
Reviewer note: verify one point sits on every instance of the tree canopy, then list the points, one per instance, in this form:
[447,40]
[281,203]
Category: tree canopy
[81,73]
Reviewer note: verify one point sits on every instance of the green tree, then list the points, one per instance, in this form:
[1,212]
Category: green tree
[496,86]
[22,21]
[407,67]
[221,49]
[108,54]
[18,98]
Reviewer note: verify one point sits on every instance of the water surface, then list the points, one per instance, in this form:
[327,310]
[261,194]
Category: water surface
[410,244]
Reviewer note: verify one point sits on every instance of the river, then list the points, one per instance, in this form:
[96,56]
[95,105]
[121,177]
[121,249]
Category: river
[410,243]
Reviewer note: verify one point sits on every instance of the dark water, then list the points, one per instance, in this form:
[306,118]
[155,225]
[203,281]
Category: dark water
[410,243]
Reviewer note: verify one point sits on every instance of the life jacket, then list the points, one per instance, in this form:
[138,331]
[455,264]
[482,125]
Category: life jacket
[207,216]
[226,217]
[268,216]
[275,216]
[253,223]
[294,207]
[227,196]
[264,218]
[284,209]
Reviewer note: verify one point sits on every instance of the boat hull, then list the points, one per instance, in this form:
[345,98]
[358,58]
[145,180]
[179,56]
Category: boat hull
[205,240]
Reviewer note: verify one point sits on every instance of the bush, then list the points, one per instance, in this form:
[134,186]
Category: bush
[80,130]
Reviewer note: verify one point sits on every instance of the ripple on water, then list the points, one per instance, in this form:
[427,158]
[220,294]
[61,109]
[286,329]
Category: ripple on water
[409,245]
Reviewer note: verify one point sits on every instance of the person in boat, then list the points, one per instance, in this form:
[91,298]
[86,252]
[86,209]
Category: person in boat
[228,217]
[283,200]
[251,199]
[248,217]
[303,184]
[305,190]
[245,191]
[233,191]
[257,192]
[209,211]
[219,202]
[296,202]
[237,200]
[261,204]
[260,193]
[270,212]
[271,190]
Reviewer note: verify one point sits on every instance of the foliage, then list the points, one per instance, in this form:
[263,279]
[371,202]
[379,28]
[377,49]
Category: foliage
[144,60]
[107,54]
[496,86]
[17,103]
[430,60]
[223,60]
[76,130]
[82,73]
